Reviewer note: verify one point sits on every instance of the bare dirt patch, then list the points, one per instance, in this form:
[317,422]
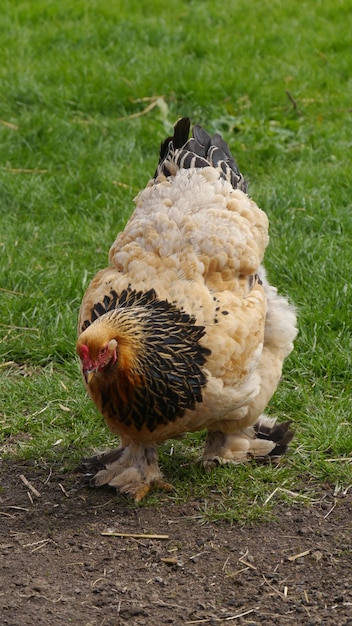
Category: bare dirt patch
[58,568]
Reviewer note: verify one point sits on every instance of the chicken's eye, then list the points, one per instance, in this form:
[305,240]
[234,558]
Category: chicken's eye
[103,355]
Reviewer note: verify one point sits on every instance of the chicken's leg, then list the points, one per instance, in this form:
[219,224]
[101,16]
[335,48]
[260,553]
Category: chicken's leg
[132,469]
[264,441]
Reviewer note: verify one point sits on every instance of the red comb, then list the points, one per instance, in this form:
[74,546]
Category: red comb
[84,350]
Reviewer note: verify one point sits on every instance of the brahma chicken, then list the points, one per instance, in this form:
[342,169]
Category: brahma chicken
[182,332]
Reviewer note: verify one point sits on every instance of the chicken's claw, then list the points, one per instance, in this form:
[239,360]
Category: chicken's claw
[141,493]
[144,490]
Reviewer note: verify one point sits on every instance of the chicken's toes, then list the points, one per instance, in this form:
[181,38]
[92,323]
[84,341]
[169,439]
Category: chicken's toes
[145,489]
[103,477]
[209,462]
[131,481]
[161,484]
[141,493]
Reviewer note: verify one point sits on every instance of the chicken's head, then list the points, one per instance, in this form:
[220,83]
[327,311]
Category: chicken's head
[94,357]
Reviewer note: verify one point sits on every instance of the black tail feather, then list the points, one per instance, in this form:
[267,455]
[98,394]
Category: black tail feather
[280,434]
[202,150]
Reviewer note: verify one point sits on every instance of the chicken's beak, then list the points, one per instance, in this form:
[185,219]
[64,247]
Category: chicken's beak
[88,376]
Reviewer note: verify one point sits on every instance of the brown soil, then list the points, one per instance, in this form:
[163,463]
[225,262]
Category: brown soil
[57,567]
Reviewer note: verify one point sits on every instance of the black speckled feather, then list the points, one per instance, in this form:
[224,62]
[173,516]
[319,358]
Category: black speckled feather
[167,376]
[100,308]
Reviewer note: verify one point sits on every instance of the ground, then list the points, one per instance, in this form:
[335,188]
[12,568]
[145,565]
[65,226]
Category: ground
[57,566]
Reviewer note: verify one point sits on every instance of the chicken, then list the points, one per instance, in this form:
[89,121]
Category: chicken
[182,332]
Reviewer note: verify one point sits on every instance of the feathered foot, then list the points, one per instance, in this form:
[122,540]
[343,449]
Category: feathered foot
[131,469]
[264,441]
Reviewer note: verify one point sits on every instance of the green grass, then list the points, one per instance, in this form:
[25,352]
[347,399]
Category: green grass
[275,79]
